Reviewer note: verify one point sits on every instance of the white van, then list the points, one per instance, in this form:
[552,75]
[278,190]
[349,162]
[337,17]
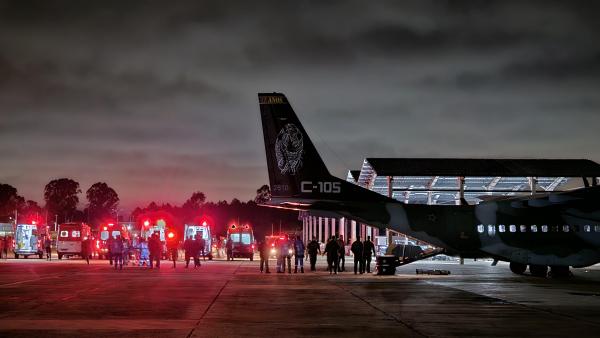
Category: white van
[27,241]
[203,230]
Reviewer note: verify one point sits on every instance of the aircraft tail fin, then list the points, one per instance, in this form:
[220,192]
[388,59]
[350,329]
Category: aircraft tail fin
[291,156]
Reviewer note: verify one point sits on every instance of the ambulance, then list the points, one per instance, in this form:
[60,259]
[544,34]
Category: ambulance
[242,241]
[70,236]
[203,230]
[107,231]
[28,241]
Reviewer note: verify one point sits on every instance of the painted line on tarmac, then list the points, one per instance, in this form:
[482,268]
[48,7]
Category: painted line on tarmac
[57,275]
[214,300]
[95,324]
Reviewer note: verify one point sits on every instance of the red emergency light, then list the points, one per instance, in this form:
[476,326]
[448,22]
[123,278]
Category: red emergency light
[105,228]
[204,223]
[171,235]
[146,223]
[110,224]
[33,222]
[232,226]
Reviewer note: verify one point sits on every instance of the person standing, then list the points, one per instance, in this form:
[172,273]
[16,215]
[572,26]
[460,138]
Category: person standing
[342,264]
[86,249]
[368,247]
[332,250]
[299,254]
[263,250]
[117,252]
[357,251]
[313,249]
[188,250]
[197,250]
[172,247]
[155,247]
[287,254]
[143,246]
[201,247]
[229,249]
[48,247]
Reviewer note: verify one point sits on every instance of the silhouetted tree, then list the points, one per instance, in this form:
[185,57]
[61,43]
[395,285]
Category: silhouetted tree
[9,200]
[61,197]
[102,200]
[263,194]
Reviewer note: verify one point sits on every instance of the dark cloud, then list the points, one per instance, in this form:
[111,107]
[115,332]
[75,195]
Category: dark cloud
[161,101]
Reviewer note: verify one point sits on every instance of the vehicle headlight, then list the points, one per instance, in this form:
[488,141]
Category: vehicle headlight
[290,251]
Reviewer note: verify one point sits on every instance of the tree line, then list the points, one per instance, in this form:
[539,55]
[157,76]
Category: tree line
[61,197]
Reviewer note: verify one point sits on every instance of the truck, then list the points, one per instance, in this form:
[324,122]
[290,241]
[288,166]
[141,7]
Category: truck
[241,240]
[203,230]
[70,236]
[28,241]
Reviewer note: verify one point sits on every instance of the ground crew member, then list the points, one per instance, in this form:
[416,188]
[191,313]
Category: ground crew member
[48,247]
[109,246]
[117,251]
[263,250]
[368,247]
[196,244]
[286,255]
[299,254]
[202,247]
[188,249]
[172,247]
[143,246]
[342,264]
[313,248]
[332,250]
[357,251]
[86,250]
[155,248]
[229,249]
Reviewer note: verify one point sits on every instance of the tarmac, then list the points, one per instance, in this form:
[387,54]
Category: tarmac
[69,298]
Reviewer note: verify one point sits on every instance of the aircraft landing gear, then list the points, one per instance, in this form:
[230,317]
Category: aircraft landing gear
[560,272]
[518,268]
[538,270]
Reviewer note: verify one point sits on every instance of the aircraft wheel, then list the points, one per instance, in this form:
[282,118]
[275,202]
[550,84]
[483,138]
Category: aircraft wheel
[538,270]
[560,271]
[518,268]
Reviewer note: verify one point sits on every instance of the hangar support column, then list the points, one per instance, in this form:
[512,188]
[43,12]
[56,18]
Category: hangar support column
[353,230]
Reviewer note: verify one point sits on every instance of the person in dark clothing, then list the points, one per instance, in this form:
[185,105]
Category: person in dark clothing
[342,263]
[155,247]
[313,249]
[197,250]
[229,249]
[285,248]
[368,247]
[332,249]
[188,248]
[48,247]
[299,254]
[172,247]
[201,247]
[86,249]
[109,247]
[263,250]
[357,251]
[117,252]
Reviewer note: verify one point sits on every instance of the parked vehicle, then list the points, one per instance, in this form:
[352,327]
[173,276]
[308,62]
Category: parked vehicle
[203,230]
[28,241]
[70,236]
[242,241]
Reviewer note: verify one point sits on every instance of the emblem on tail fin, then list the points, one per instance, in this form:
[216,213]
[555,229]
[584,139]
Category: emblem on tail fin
[289,148]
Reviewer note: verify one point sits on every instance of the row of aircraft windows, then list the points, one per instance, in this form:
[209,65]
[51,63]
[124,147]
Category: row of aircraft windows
[491,228]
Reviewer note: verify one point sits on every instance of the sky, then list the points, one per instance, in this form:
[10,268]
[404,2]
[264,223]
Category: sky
[159,99]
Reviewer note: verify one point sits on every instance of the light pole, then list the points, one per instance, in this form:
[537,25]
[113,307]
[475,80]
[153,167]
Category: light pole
[55,222]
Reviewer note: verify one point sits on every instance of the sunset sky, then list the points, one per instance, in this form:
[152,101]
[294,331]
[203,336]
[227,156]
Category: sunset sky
[159,99]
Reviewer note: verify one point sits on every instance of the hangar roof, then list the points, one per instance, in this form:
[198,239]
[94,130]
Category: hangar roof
[484,167]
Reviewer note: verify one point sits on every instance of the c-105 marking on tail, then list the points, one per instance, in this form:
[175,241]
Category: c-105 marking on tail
[322,187]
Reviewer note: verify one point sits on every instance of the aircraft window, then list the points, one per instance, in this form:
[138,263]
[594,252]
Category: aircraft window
[523,228]
[502,228]
[597,228]
[587,228]
[480,228]
[565,228]
[513,228]
[534,228]
[544,228]
[491,230]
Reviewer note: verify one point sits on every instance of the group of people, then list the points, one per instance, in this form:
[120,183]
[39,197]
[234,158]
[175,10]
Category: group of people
[335,250]
[193,248]
[120,250]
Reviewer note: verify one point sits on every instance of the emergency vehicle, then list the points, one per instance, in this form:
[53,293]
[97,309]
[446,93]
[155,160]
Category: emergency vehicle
[242,241]
[28,241]
[160,228]
[107,231]
[203,230]
[70,236]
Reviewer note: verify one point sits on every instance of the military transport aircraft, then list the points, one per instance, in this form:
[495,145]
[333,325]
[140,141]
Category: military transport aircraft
[556,230]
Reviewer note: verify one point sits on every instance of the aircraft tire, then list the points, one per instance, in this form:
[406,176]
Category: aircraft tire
[560,272]
[538,270]
[518,268]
